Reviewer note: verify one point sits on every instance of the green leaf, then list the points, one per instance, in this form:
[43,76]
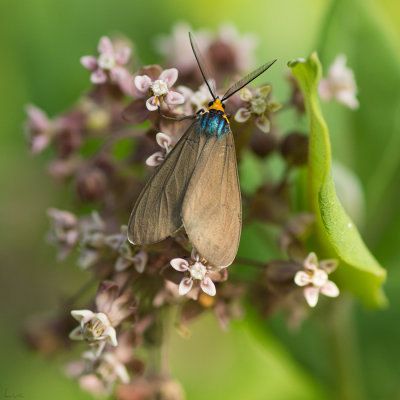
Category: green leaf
[337,235]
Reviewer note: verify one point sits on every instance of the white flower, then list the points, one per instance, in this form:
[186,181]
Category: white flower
[314,279]
[200,99]
[111,369]
[198,271]
[160,89]
[339,84]
[111,59]
[93,327]
[257,104]
[127,257]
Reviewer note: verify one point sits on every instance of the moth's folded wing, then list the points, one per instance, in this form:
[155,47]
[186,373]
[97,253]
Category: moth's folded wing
[156,214]
[212,209]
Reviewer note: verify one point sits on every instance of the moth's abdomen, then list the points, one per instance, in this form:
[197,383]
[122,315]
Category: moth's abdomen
[213,124]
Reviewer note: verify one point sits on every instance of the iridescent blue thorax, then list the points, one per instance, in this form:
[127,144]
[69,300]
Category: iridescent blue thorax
[214,123]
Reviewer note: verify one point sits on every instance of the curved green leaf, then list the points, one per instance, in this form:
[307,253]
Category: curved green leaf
[337,235]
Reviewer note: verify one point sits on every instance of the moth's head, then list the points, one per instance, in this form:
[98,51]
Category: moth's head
[216,105]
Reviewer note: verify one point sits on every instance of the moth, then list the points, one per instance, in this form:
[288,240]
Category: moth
[197,184]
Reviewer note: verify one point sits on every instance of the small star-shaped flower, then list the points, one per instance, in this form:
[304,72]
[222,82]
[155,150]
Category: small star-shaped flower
[314,279]
[198,270]
[339,84]
[159,89]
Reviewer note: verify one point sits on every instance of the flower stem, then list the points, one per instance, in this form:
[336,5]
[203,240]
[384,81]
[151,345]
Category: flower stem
[344,351]
[157,337]
[324,30]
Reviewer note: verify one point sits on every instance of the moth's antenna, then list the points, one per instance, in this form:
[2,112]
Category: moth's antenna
[202,65]
[246,80]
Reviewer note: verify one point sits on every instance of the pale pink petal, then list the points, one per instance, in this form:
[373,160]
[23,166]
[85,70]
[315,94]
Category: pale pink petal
[140,261]
[122,373]
[155,159]
[117,74]
[127,85]
[185,91]
[37,118]
[82,315]
[302,278]
[242,115]
[88,257]
[245,94]
[338,68]
[122,308]
[98,76]
[328,265]
[185,286]
[207,286]
[105,46]
[169,76]
[39,143]
[97,347]
[174,98]
[143,83]
[324,89]
[89,62]
[348,98]
[105,296]
[152,103]
[330,289]
[122,56]
[111,336]
[163,140]
[263,124]
[311,262]
[75,369]
[122,264]
[194,255]
[311,295]
[76,334]
[180,264]
[93,384]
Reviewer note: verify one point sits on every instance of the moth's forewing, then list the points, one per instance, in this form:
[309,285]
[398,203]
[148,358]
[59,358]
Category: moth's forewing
[212,210]
[156,214]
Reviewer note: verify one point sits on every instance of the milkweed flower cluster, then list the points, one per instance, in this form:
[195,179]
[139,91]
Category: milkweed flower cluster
[135,283]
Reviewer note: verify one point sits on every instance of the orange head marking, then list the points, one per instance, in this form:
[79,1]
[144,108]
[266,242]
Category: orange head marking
[217,105]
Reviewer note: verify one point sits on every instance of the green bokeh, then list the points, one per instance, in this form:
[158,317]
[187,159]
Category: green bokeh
[41,42]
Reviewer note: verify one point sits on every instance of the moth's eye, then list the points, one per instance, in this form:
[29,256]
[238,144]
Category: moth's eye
[223,106]
[210,103]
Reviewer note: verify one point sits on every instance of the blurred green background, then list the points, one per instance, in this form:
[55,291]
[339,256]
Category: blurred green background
[356,353]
